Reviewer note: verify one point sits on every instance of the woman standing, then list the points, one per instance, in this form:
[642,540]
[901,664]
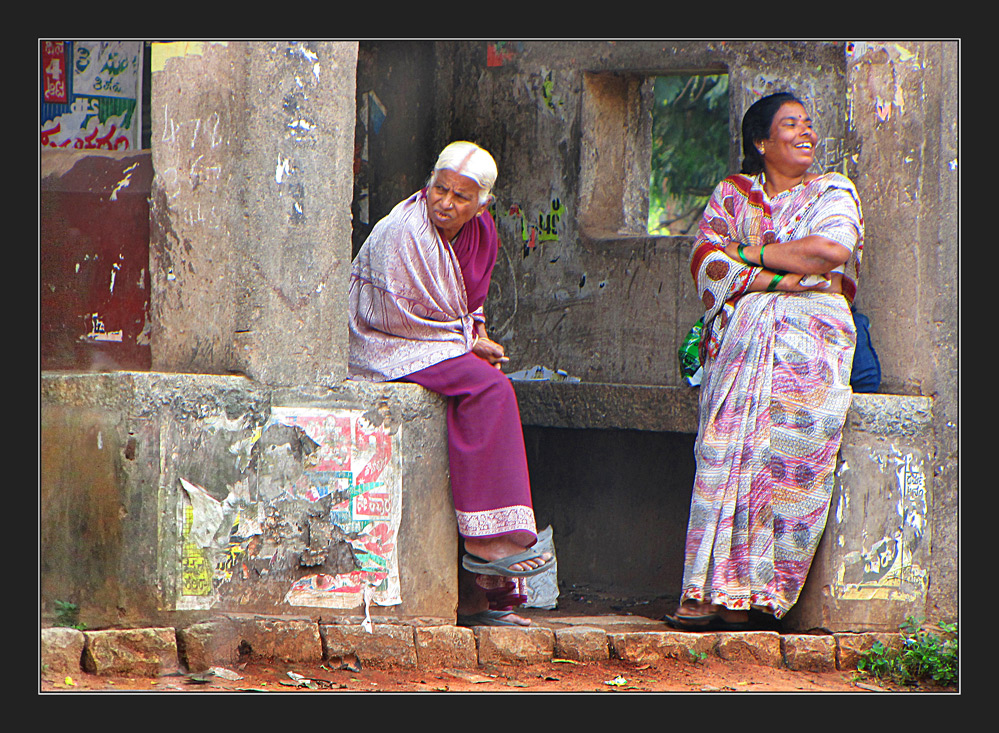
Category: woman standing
[775,263]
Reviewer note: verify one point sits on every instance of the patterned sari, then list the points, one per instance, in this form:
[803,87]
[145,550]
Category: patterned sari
[774,396]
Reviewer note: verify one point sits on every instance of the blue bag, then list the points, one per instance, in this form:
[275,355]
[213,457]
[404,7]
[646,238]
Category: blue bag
[866,373]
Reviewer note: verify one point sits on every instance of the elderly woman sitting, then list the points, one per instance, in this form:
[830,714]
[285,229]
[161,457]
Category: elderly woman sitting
[417,289]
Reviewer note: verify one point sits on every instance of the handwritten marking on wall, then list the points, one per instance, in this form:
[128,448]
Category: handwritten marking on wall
[205,136]
[177,132]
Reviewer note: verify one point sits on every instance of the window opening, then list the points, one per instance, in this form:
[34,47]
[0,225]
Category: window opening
[690,149]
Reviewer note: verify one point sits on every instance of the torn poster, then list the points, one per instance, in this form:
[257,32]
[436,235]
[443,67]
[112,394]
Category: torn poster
[201,515]
[359,463]
[214,539]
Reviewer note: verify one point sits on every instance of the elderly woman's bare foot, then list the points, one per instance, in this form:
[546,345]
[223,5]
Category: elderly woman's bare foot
[497,548]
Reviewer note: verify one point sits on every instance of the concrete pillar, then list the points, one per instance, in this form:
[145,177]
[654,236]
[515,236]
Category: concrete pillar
[873,567]
[250,249]
[904,123]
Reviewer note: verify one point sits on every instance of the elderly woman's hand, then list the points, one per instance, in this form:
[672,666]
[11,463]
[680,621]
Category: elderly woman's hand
[485,348]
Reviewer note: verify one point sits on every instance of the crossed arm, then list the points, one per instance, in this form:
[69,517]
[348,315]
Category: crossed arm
[810,255]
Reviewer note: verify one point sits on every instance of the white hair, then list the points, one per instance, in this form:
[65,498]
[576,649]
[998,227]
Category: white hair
[468,159]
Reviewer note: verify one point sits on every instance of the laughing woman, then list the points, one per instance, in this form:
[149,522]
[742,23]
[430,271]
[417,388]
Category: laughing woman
[775,264]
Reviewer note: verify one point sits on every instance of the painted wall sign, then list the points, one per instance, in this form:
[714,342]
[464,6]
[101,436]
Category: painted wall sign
[499,52]
[545,230]
[90,95]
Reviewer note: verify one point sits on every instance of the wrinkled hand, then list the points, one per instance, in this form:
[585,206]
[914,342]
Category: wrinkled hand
[486,348]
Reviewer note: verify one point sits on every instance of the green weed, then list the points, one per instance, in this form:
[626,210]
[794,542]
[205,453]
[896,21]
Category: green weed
[68,614]
[925,655]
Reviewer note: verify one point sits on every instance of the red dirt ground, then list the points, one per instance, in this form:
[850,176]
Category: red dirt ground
[609,677]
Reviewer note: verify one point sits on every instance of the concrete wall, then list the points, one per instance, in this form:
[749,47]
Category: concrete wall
[904,119]
[167,498]
[581,287]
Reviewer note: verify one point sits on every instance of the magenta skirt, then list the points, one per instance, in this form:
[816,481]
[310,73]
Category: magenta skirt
[489,480]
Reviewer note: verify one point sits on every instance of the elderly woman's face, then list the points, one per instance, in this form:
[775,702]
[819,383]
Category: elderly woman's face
[792,140]
[452,201]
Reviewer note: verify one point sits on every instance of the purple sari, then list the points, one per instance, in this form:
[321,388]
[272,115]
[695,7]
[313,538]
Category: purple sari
[415,300]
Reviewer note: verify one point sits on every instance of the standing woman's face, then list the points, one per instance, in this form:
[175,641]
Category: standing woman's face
[790,149]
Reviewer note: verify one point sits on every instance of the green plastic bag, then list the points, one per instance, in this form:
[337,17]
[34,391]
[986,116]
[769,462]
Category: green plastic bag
[689,354]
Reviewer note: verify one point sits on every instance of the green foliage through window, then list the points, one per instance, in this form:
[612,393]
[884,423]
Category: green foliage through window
[690,149]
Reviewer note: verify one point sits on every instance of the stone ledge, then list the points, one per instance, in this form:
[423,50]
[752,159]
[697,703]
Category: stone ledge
[62,650]
[385,646]
[153,652]
[582,644]
[674,409]
[607,406]
[803,652]
[510,645]
[139,652]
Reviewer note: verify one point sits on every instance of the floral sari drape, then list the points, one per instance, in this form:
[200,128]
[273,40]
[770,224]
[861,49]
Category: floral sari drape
[773,400]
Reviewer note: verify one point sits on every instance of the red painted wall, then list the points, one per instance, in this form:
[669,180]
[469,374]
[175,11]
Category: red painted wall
[94,261]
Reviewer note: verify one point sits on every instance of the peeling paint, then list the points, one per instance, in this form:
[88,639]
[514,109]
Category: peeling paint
[99,332]
[312,58]
[882,109]
[283,169]
[114,270]
[124,182]
[161,52]
[884,568]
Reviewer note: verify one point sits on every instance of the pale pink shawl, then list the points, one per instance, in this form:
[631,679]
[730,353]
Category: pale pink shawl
[407,301]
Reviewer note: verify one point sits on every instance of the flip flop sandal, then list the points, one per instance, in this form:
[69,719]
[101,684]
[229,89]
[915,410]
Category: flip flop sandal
[474,564]
[487,618]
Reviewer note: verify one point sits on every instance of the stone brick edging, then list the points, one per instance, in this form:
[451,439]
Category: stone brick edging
[151,652]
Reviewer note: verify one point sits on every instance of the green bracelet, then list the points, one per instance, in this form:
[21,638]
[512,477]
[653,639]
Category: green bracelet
[773,283]
[743,257]
[762,247]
